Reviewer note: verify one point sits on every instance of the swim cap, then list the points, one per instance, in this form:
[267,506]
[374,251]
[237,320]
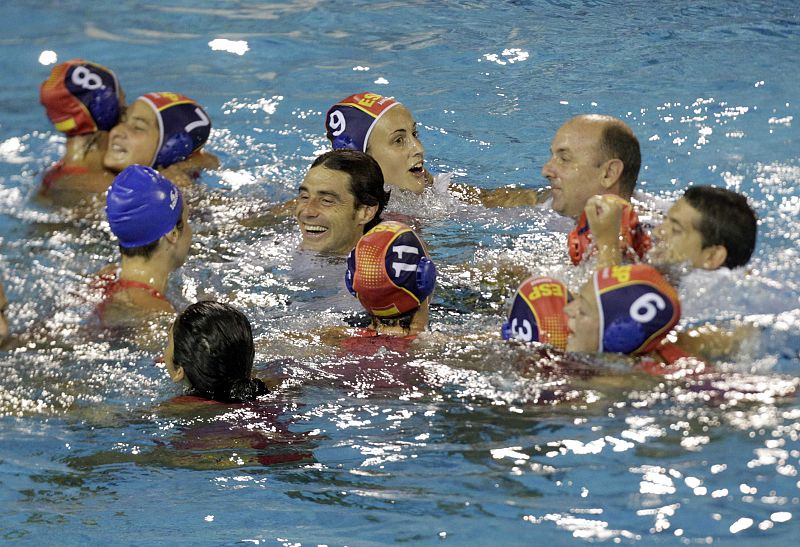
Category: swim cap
[632,234]
[637,308]
[182,124]
[142,206]
[537,313]
[389,271]
[81,97]
[350,121]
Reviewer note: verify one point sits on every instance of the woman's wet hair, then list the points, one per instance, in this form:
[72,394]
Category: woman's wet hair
[366,178]
[213,342]
[726,219]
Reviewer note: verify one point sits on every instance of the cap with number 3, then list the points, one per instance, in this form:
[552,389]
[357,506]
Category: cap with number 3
[81,97]
[389,270]
[537,313]
[183,126]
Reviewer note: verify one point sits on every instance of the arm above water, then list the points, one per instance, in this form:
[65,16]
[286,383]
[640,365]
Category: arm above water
[604,214]
[713,342]
[500,197]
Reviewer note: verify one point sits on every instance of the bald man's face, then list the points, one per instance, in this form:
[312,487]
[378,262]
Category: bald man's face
[575,169]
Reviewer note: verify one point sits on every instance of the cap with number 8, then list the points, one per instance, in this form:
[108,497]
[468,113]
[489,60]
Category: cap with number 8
[81,97]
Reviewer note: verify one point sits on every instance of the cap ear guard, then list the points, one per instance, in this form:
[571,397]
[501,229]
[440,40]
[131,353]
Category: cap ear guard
[344,141]
[177,147]
[104,107]
[426,277]
[350,274]
[623,335]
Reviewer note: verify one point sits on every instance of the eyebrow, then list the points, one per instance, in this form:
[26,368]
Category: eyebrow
[673,220]
[328,193]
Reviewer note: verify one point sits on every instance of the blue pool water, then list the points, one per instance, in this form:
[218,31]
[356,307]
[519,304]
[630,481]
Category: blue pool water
[463,440]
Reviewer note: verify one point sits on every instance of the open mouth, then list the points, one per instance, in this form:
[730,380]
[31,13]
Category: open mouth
[117,149]
[417,170]
[314,230]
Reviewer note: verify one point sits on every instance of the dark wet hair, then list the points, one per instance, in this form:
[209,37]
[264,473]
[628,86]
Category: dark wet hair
[366,178]
[725,219]
[402,321]
[146,251]
[213,342]
[618,142]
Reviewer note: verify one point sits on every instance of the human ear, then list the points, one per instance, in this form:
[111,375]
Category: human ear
[172,235]
[366,213]
[178,375]
[714,257]
[613,171]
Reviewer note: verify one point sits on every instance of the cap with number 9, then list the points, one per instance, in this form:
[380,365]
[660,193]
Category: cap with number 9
[349,122]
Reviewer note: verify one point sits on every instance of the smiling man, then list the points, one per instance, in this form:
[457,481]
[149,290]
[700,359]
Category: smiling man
[340,199]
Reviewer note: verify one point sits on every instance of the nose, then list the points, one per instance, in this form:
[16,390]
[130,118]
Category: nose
[417,148]
[308,208]
[569,308]
[118,129]
[547,169]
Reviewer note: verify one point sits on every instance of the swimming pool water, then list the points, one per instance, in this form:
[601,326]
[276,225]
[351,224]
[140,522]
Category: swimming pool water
[463,440]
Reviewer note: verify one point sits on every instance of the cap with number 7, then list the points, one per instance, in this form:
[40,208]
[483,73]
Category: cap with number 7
[183,126]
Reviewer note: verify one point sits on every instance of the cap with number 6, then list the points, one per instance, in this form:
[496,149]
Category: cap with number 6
[637,306]
[389,271]
[537,313]
[81,97]
[183,126]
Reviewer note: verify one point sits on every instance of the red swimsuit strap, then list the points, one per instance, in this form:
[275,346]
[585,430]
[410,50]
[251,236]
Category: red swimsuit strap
[122,284]
[59,170]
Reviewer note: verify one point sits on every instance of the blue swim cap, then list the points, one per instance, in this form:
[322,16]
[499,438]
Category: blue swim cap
[142,206]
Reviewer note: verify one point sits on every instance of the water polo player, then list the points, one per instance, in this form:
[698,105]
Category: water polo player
[165,131]
[621,309]
[393,277]
[385,129]
[148,215]
[210,349]
[83,100]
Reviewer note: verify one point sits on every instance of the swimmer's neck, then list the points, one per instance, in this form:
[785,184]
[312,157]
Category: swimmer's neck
[419,322]
[152,272]
[79,146]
